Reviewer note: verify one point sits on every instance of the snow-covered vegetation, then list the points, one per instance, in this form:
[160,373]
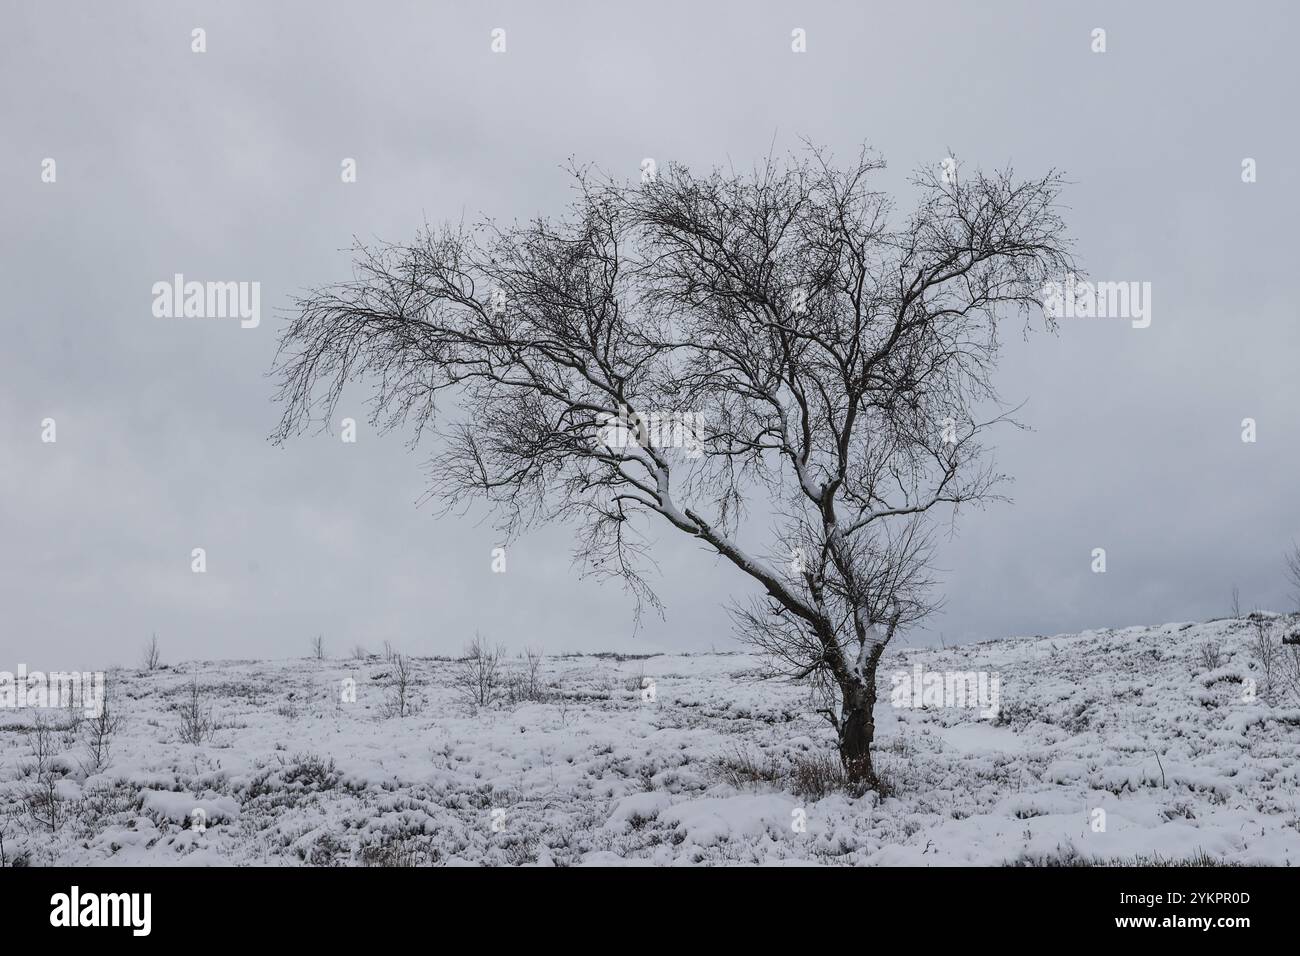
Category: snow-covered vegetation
[1146,744]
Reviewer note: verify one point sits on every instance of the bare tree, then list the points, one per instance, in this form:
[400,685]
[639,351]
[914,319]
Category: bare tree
[532,677]
[1265,649]
[477,675]
[1279,663]
[318,647]
[1289,672]
[152,655]
[76,717]
[401,684]
[196,718]
[689,350]
[100,730]
[1293,573]
[41,796]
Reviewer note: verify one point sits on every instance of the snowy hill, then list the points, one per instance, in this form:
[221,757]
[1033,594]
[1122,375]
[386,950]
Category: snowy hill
[675,759]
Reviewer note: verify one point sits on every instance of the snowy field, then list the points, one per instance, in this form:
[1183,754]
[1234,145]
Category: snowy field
[720,767]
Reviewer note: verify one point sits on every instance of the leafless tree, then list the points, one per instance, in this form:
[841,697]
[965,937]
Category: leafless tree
[827,365]
[318,647]
[401,684]
[74,708]
[533,673]
[1293,573]
[100,730]
[1279,661]
[477,675]
[1289,672]
[1266,651]
[41,795]
[196,718]
[152,655]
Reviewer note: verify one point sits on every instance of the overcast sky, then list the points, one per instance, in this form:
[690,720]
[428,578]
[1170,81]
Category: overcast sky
[225,165]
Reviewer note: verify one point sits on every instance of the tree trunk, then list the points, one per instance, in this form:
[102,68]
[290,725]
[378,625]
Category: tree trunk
[857,729]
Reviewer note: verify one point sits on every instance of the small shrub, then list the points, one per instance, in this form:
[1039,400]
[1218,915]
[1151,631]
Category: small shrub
[745,767]
[525,684]
[400,851]
[326,850]
[1068,856]
[818,775]
[635,684]
[887,783]
[1210,655]
[196,719]
[311,772]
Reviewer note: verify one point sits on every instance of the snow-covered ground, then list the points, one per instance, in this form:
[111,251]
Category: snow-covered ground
[715,769]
